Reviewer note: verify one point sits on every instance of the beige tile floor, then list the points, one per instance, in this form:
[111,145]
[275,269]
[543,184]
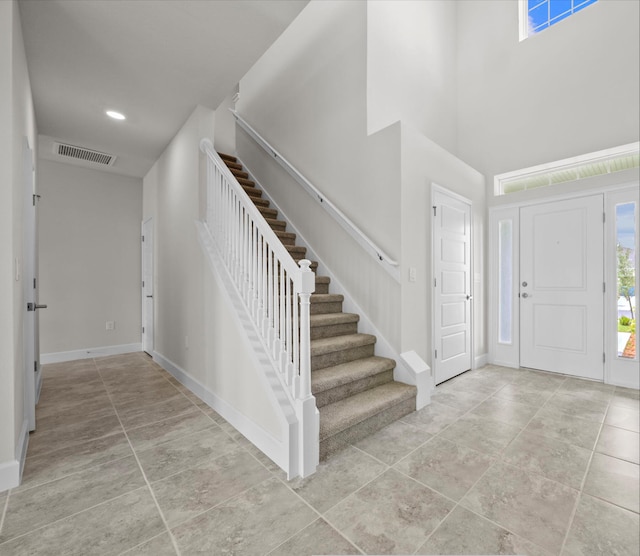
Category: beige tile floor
[504,461]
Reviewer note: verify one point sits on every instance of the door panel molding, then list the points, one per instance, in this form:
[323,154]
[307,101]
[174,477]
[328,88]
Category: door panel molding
[452,289]
[561,306]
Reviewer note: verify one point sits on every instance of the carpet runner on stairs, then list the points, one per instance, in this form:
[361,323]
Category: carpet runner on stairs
[354,389]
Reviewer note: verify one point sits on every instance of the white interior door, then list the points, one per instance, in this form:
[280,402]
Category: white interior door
[147,286]
[561,287]
[30,330]
[452,285]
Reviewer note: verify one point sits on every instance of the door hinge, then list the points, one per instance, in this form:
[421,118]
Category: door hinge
[434,211]
[34,283]
[143,283]
[436,354]
[35,366]
[604,287]
[142,238]
[143,329]
[604,358]
[604,216]
[434,282]
[35,198]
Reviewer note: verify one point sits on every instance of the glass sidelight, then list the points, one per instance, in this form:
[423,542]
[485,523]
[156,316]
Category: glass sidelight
[626,279]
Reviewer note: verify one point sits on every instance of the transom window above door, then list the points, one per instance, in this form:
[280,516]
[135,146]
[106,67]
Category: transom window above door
[538,15]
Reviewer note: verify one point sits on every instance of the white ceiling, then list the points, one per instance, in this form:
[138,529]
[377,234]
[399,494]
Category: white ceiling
[153,60]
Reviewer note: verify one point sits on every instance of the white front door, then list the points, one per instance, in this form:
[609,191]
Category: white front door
[561,287]
[147,286]
[452,285]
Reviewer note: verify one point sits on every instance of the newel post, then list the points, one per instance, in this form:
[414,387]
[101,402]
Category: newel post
[307,287]
[309,418]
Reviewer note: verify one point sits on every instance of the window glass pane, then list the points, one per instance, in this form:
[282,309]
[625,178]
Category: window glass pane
[559,7]
[539,15]
[505,281]
[544,13]
[626,251]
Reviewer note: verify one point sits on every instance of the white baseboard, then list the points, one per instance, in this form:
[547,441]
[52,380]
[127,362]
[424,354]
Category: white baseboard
[23,444]
[11,471]
[275,449]
[481,360]
[88,353]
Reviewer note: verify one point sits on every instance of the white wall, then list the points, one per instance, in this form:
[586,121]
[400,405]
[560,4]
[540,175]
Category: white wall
[225,139]
[411,67]
[17,121]
[569,90]
[194,329]
[423,163]
[339,72]
[89,233]
[307,96]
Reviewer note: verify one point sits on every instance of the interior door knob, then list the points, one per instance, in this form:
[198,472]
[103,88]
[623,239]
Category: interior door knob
[525,294]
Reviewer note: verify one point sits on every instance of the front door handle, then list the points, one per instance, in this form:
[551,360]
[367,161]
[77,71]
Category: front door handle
[34,306]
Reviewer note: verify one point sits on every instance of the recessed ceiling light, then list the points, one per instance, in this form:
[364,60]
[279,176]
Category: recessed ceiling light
[115,115]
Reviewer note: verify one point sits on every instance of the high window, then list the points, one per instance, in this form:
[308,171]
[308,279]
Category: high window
[537,15]
[580,167]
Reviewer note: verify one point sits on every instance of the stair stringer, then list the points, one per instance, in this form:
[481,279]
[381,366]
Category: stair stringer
[410,367]
[282,452]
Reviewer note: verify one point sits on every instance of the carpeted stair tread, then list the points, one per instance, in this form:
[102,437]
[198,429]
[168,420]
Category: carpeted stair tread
[276,224]
[252,191]
[235,165]
[326,298]
[247,182]
[287,238]
[330,319]
[239,173]
[322,284]
[340,343]
[339,416]
[227,157]
[268,212]
[260,202]
[339,375]
[297,250]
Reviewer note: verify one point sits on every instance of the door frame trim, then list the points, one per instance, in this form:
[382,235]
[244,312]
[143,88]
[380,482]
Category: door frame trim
[142,293]
[435,187]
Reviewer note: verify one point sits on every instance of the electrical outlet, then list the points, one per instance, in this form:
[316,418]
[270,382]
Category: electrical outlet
[412,274]
[110,325]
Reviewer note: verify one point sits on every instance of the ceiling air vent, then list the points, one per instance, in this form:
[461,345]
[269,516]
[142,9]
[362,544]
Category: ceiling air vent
[80,153]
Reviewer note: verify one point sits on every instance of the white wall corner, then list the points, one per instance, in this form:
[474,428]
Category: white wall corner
[481,361]
[414,370]
[88,353]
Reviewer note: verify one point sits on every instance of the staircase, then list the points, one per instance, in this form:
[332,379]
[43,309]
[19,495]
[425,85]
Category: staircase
[354,389]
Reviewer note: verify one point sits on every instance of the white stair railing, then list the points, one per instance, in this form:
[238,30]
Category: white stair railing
[275,290]
[390,265]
